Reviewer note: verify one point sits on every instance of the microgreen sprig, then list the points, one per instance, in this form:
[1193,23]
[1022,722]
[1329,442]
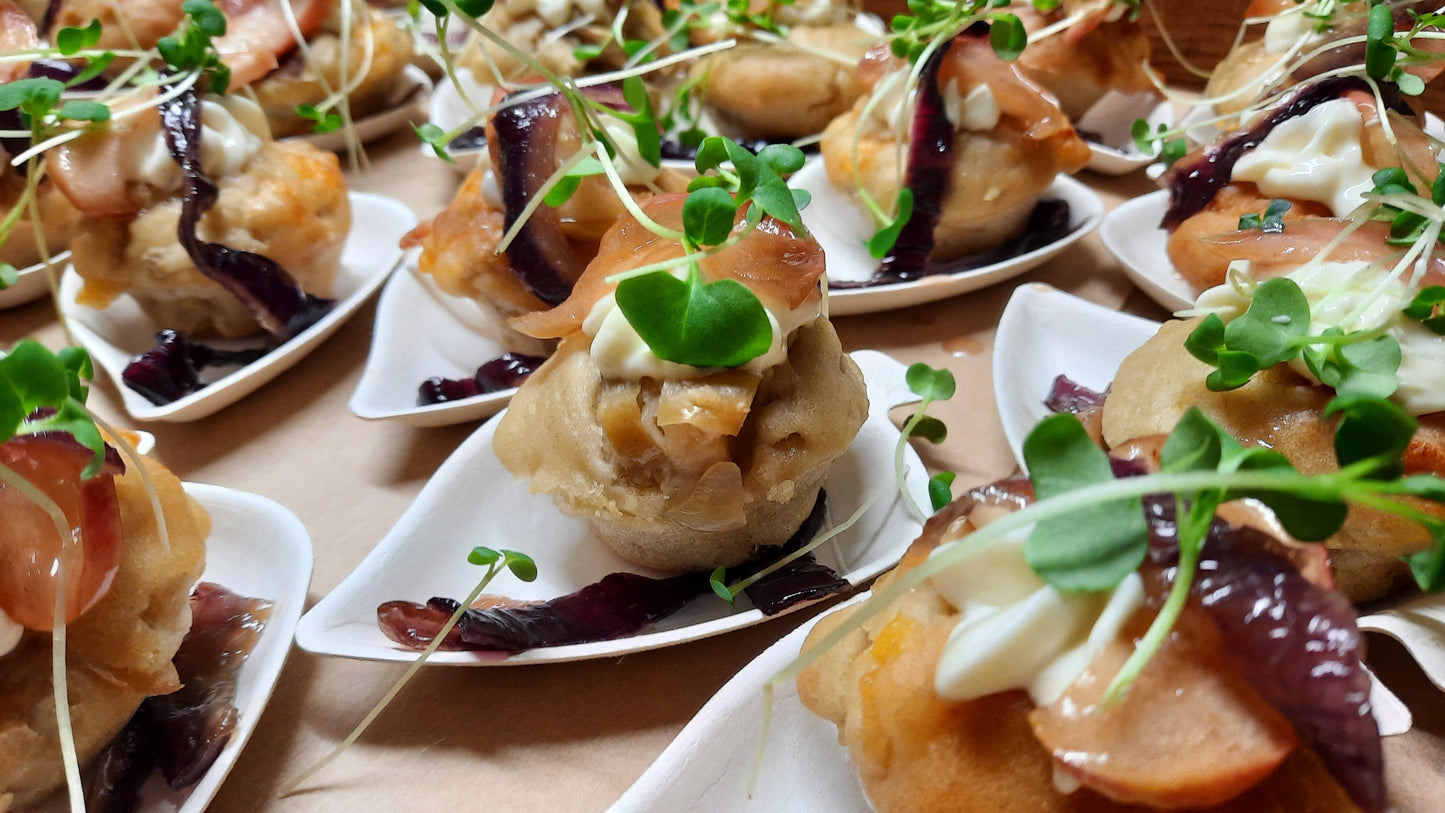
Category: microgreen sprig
[1270,221]
[192,48]
[32,378]
[931,385]
[720,323]
[1276,328]
[496,562]
[1203,464]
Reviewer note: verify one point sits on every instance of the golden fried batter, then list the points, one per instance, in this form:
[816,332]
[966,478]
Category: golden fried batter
[117,654]
[289,205]
[683,498]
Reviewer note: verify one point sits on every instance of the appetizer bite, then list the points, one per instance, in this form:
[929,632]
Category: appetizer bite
[26,240]
[1102,48]
[353,61]
[792,71]
[187,205]
[1063,654]
[101,552]
[1282,42]
[964,158]
[496,246]
[285,202]
[347,63]
[1305,165]
[570,38]
[705,441]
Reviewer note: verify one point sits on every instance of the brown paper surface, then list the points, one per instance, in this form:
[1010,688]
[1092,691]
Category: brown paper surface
[568,736]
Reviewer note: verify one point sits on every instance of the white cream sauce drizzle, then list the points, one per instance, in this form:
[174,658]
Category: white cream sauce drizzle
[233,128]
[1316,157]
[1018,632]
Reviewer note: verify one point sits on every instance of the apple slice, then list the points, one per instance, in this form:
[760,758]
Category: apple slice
[1162,745]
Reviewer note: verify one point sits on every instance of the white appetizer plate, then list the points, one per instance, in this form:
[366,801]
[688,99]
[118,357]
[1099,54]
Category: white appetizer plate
[408,105]
[473,500]
[709,766]
[1044,333]
[842,229]
[422,333]
[117,333]
[1112,119]
[259,549]
[30,284]
[1131,232]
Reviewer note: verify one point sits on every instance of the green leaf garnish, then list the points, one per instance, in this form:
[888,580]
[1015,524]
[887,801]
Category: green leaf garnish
[1094,548]
[324,121]
[31,378]
[482,557]
[930,429]
[940,489]
[9,275]
[1008,37]
[71,41]
[689,321]
[708,215]
[719,582]
[84,111]
[520,565]
[1380,53]
[885,238]
[1270,222]
[1425,308]
[436,138]
[930,383]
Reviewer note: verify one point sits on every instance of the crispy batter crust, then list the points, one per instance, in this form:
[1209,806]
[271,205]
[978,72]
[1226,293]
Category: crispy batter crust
[289,205]
[117,653]
[777,92]
[685,499]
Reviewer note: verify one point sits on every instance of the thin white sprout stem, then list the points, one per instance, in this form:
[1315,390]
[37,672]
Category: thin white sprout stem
[58,673]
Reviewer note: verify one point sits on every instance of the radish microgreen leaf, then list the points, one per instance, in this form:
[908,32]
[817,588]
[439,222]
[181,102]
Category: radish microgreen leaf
[1425,308]
[1008,37]
[930,384]
[71,41]
[719,582]
[689,321]
[9,275]
[884,239]
[1275,328]
[708,215]
[325,122]
[940,489]
[1270,222]
[1094,548]
[434,137]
